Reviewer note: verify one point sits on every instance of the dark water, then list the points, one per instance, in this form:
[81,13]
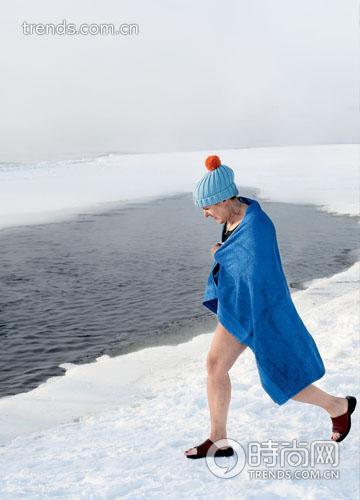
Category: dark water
[113,282]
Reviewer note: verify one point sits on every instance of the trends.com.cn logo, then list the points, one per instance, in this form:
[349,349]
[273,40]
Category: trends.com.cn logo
[64,28]
[277,460]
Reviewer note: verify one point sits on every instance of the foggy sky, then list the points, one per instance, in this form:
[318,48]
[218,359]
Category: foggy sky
[199,75]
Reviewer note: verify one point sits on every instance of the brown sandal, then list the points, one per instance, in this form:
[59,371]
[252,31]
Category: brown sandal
[202,449]
[342,423]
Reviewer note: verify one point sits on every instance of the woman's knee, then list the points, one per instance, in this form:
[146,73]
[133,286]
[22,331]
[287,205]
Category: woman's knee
[215,365]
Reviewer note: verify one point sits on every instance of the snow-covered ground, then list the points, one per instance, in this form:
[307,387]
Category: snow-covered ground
[118,427]
[327,175]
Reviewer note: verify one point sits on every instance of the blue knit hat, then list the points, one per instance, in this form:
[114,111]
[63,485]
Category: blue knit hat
[217,185]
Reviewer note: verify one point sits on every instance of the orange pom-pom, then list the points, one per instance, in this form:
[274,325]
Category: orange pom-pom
[212,162]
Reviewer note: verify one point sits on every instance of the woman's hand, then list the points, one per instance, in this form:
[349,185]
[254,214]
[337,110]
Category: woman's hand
[215,247]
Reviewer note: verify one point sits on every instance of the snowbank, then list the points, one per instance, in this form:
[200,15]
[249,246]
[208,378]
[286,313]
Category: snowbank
[326,175]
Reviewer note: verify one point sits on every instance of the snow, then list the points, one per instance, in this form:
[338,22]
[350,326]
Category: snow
[150,405]
[327,175]
[118,427]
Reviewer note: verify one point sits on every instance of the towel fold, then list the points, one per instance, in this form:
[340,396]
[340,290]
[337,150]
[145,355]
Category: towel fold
[248,292]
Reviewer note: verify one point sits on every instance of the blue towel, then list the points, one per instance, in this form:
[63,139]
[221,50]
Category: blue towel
[249,294]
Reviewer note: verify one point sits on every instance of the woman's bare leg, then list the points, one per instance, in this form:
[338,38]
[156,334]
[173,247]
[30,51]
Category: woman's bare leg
[333,405]
[223,353]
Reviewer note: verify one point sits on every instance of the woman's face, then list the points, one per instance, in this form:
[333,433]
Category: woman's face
[219,212]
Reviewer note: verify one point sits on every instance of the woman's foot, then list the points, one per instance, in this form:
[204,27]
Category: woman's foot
[339,407]
[341,418]
[201,450]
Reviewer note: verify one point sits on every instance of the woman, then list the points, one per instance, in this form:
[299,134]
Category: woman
[248,292]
